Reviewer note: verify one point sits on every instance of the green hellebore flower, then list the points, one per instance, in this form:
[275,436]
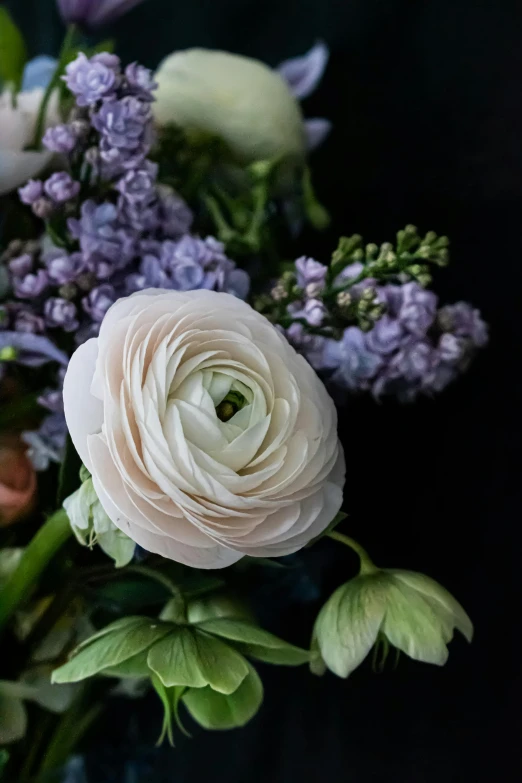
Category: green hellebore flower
[406,609]
[202,664]
[91,524]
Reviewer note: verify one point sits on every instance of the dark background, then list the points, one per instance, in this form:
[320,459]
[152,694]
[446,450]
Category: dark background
[425,97]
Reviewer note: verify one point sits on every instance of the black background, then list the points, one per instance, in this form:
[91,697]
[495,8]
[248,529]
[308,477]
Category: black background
[425,97]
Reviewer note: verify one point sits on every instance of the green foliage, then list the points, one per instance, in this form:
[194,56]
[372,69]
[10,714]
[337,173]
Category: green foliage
[13,52]
[256,642]
[217,711]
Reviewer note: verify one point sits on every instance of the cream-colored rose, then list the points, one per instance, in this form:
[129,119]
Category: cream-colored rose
[18,117]
[239,99]
[207,436]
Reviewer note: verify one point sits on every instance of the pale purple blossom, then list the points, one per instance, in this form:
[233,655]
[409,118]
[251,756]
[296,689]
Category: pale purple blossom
[99,233]
[61,139]
[61,313]
[141,81]
[90,80]
[303,74]
[386,336]
[98,301]
[354,364]
[92,13]
[31,191]
[465,321]
[47,444]
[28,321]
[63,267]
[43,208]
[60,187]
[30,349]
[418,308]
[309,271]
[22,265]
[32,285]
[122,122]
[137,187]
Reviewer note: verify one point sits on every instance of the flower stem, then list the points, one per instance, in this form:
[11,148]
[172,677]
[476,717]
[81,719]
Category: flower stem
[50,537]
[157,576]
[53,84]
[367,566]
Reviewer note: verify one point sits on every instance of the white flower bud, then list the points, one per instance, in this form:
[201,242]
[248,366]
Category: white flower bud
[413,612]
[239,99]
[91,525]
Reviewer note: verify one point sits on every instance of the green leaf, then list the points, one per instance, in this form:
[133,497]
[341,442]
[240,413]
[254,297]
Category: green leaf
[117,625]
[218,711]
[13,52]
[256,642]
[111,649]
[195,660]
[133,668]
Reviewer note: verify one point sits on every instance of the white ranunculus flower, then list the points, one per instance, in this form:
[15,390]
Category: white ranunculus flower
[18,117]
[239,99]
[207,436]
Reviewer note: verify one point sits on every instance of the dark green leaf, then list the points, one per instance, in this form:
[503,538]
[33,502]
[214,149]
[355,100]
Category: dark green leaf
[13,52]
[217,711]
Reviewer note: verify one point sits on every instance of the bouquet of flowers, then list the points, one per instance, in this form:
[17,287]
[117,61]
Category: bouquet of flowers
[169,377]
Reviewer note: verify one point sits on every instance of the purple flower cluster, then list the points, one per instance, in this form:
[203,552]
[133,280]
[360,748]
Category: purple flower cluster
[129,232]
[413,347]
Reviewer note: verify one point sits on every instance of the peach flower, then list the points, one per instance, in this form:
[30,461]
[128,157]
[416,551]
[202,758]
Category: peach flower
[17,480]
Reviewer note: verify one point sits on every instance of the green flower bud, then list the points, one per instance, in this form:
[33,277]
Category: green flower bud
[91,524]
[409,610]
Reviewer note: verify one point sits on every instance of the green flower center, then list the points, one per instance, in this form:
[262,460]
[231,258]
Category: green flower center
[230,405]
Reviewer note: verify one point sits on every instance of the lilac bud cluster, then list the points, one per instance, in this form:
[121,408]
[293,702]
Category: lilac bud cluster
[403,345]
[114,228]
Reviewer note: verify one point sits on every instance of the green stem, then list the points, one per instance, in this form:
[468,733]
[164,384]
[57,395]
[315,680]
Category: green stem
[50,537]
[367,566]
[53,84]
[157,576]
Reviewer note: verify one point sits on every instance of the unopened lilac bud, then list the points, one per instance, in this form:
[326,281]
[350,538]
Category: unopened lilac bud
[31,192]
[313,290]
[278,293]
[80,128]
[344,299]
[61,187]
[68,291]
[43,208]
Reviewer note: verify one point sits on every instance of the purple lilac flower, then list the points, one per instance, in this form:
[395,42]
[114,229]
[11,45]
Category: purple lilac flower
[61,267]
[122,122]
[91,80]
[61,313]
[310,345]
[28,321]
[32,285]
[61,187]
[316,131]
[313,311]
[94,12]
[47,444]
[52,400]
[464,321]
[31,192]
[354,363]
[99,233]
[61,139]
[141,81]
[386,336]
[21,266]
[418,308]
[137,187]
[98,301]
[309,271]
[303,74]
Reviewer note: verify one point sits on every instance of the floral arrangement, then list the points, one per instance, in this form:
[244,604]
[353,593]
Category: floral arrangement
[169,382]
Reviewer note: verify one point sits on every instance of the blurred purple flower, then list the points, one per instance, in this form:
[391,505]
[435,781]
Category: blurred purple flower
[98,232]
[31,192]
[47,444]
[21,266]
[464,321]
[418,309]
[32,285]
[175,216]
[122,122]
[316,131]
[61,267]
[43,208]
[309,271]
[61,139]
[141,81]
[92,13]
[28,321]
[138,186]
[386,336]
[61,313]
[60,187]
[32,350]
[90,80]
[355,365]
[98,301]
[303,74]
